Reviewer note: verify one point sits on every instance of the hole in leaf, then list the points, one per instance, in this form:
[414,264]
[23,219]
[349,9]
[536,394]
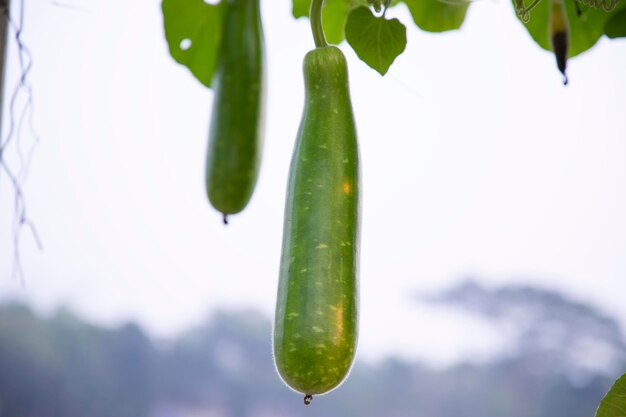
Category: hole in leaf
[211,1]
[185,44]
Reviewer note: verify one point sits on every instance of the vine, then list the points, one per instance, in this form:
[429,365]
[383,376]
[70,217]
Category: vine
[13,139]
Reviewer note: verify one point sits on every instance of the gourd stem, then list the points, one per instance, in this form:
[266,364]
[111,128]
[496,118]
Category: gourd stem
[315,16]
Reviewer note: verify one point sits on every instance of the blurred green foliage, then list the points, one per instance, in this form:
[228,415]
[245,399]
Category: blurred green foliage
[62,366]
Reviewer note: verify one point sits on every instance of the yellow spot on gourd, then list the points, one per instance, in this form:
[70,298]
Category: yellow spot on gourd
[338,324]
[321,246]
[347,188]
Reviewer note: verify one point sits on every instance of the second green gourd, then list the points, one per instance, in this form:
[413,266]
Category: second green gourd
[235,136]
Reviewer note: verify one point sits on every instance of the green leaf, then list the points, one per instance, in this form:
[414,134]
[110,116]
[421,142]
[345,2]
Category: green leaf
[615,27]
[584,29]
[376,40]
[614,402]
[300,8]
[438,15]
[334,15]
[193,31]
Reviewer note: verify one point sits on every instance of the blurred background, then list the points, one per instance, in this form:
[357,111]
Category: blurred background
[493,230]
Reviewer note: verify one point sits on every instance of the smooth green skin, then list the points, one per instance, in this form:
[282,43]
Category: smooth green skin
[315,329]
[235,136]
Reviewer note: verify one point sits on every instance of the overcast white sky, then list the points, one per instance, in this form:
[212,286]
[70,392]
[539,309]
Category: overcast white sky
[475,161]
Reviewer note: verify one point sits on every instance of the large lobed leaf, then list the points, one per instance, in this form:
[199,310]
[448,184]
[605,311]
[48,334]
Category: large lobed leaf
[584,29]
[614,402]
[193,32]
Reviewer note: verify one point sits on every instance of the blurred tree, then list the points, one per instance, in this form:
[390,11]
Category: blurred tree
[552,333]
[64,367]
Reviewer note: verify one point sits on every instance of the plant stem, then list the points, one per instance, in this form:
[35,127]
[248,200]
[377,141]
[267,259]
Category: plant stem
[4,29]
[315,16]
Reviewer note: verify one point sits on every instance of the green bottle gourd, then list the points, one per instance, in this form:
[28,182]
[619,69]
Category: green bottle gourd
[315,328]
[559,38]
[235,136]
